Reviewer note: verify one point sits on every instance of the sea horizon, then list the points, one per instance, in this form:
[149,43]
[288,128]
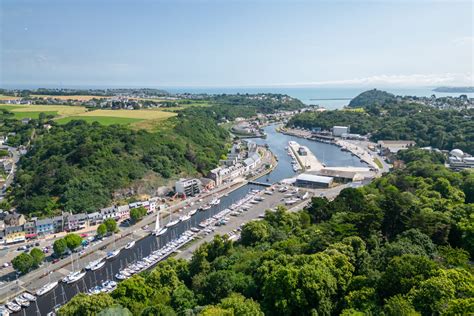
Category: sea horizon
[323,96]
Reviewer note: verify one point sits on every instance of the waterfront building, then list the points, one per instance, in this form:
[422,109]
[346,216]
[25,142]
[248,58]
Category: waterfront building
[188,187]
[75,221]
[94,218]
[312,181]
[123,211]
[14,234]
[45,226]
[338,131]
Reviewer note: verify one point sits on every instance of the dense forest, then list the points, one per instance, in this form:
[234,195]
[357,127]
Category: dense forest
[77,166]
[428,126]
[399,246]
[371,97]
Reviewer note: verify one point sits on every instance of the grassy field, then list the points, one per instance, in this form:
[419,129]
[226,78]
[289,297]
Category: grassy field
[7,97]
[139,119]
[149,119]
[62,110]
[104,120]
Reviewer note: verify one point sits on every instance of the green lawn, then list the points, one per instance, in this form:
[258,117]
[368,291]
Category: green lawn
[32,115]
[104,120]
[378,163]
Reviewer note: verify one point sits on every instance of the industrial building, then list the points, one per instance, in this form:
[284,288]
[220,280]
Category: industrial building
[338,131]
[460,160]
[388,147]
[188,187]
[341,176]
[312,181]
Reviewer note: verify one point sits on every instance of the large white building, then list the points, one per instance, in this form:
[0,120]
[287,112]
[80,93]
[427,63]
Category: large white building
[337,131]
[188,187]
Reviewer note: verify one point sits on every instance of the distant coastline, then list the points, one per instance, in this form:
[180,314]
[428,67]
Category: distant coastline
[454,89]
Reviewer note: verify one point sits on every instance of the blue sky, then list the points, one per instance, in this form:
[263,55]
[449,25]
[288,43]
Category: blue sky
[235,43]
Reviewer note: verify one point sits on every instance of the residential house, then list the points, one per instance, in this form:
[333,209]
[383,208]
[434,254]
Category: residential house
[207,183]
[123,212]
[14,219]
[109,212]
[58,224]
[45,226]
[94,218]
[30,229]
[14,234]
[75,221]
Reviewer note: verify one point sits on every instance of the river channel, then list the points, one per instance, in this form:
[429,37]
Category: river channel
[329,154]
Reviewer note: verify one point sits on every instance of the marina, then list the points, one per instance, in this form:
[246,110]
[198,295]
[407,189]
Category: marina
[167,240]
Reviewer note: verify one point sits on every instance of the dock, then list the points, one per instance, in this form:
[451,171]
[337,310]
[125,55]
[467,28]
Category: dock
[308,160]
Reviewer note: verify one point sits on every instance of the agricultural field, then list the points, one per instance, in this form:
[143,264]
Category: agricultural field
[8,97]
[61,110]
[148,119]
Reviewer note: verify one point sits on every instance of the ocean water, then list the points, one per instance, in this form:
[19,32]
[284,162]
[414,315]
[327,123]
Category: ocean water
[307,94]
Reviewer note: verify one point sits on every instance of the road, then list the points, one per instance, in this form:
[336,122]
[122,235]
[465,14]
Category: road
[35,279]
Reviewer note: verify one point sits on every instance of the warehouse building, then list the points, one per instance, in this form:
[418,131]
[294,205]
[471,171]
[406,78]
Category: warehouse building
[312,181]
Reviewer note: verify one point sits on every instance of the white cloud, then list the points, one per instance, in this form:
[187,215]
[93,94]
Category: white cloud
[397,80]
[462,41]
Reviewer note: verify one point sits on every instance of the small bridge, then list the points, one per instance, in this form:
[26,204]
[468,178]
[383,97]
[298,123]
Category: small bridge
[263,184]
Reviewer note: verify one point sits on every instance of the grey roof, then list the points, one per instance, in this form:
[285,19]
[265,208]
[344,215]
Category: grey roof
[109,209]
[123,208]
[314,178]
[93,215]
[45,221]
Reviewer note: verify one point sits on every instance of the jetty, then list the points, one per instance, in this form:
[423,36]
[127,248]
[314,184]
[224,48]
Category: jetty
[305,157]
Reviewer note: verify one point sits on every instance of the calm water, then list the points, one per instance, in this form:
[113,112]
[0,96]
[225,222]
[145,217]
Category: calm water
[327,153]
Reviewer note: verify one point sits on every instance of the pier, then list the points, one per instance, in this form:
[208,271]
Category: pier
[263,184]
[308,160]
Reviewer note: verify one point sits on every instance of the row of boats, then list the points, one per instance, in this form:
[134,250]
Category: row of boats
[23,300]
[156,256]
[294,163]
[183,218]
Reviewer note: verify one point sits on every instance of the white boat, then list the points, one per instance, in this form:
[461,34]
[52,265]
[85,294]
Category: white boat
[184,218]
[161,231]
[305,196]
[192,212]
[268,192]
[98,265]
[112,254]
[22,302]
[205,207]
[130,244]
[92,264]
[4,311]
[215,201]
[290,202]
[46,288]
[95,290]
[29,297]
[172,223]
[76,277]
[13,307]
[120,276]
